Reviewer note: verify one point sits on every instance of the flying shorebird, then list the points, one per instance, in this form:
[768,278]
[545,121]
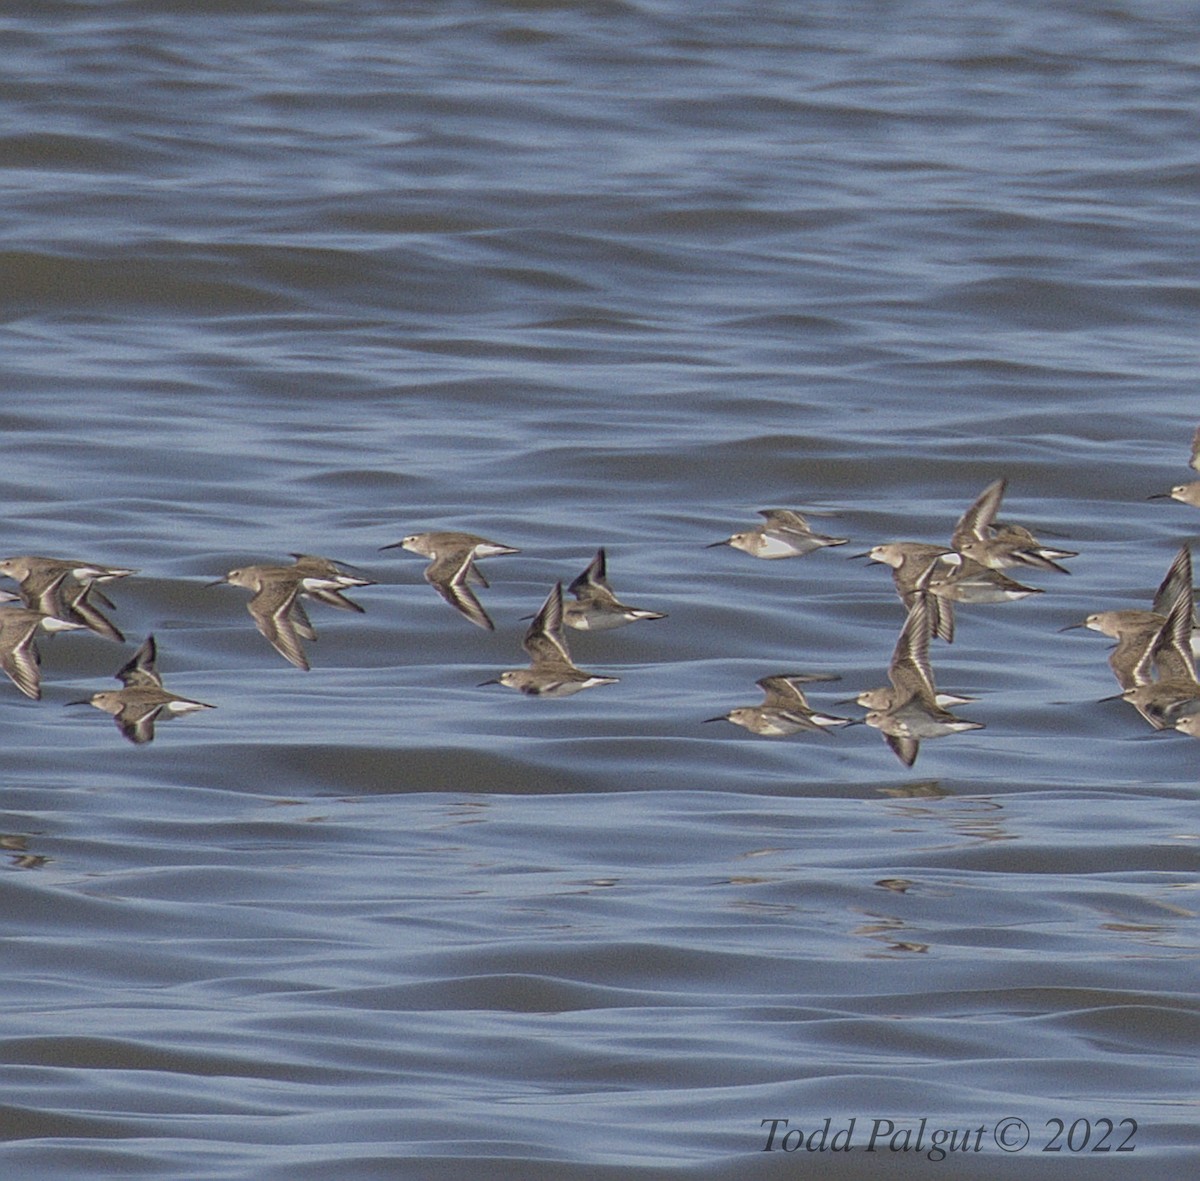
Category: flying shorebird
[1188,723]
[57,593]
[784,710]
[551,672]
[979,536]
[18,645]
[918,568]
[907,726]
[325,569]
[143,701]
[1176,692]
[63,587]
[911,563]
[960,579]
[910,672]
[275,608]
[19,568]
[1136,629]
[452,567]
[1135,632]
[911,711]
[597,607]
[785,534]
[1188,493]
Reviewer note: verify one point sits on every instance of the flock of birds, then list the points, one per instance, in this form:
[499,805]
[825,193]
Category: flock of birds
[1153,661]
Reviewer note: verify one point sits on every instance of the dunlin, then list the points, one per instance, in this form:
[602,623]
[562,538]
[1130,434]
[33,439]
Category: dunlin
[274,606]
[785,533]
[911,711]
[597,608]
[551,672]
[963,580]
[1188,493]
[61,596]
[326,570]
[912,567]
[784,710]
[21,567]
[452,567]
[948,576]
[905,728]
[1188,723]
[996,545]
[1176,692]
[143,701]
[63,587]
[1137,630]
[18,648]
[1163,703]
[910,672]
[909,560]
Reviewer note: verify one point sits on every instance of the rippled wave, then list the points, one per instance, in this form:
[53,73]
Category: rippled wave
[282,278]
